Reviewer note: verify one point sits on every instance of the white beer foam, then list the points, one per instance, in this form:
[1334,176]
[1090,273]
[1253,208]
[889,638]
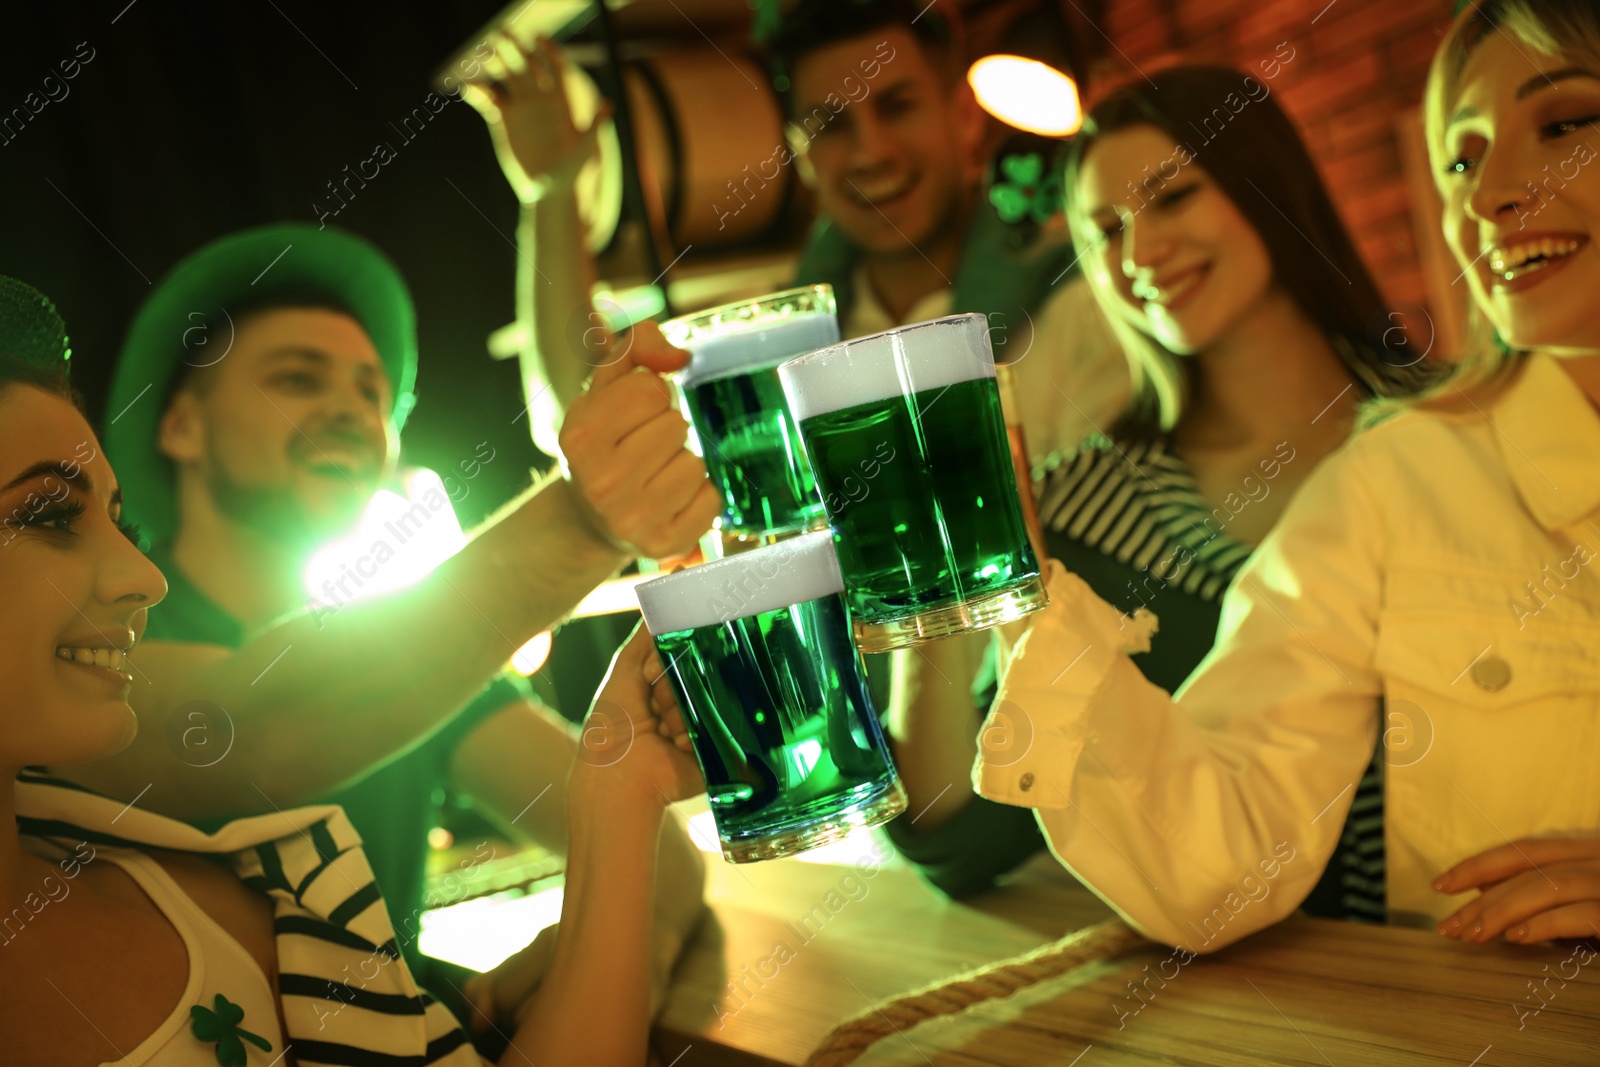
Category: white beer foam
[775,576]
[910,359]
[752,334]
[752,347]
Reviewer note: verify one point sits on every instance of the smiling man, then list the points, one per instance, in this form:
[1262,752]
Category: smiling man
[256,410]
[883,128]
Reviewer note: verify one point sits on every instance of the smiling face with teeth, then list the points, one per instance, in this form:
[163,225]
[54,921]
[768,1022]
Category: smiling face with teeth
[896,169]
[1516,152]
[1176,259]
[73,588]
[288,435]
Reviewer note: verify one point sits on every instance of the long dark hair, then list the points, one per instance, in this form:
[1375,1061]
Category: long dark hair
[1227,123]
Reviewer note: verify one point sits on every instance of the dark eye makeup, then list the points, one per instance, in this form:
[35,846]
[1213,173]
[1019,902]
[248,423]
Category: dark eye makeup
[61,518]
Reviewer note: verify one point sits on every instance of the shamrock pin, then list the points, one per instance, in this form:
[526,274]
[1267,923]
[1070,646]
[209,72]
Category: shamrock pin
[222,1026]
[1026,191]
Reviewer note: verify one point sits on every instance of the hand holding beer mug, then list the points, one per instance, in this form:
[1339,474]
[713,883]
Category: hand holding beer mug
[623,448]
[757,649]
[905,435]
[732,396]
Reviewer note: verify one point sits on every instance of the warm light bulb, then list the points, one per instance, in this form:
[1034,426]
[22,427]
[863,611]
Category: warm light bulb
[1027,94]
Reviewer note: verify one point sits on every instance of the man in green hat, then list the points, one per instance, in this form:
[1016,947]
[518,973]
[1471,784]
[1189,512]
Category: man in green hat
[255,411]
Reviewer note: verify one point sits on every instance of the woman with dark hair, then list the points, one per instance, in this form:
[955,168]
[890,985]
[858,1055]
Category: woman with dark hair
[131,937]
[1253,332]
[1441,562]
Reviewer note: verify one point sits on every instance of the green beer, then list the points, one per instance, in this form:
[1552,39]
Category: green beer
[908,444]
[753,455]
[757,648]
[735,402]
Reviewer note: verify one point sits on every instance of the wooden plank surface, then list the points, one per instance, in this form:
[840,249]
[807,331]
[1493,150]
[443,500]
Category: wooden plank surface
[798,947]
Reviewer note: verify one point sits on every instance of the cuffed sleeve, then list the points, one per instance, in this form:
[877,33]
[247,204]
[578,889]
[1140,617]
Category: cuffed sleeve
[1022,756]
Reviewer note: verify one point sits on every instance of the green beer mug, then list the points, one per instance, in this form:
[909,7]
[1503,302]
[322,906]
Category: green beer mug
[732,398]
[757,648]
[908,445]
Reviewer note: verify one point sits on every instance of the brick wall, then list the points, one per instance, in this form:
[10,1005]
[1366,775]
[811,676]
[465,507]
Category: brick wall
[1359,67]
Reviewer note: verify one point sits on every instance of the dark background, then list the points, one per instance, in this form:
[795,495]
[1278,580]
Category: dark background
[196,119]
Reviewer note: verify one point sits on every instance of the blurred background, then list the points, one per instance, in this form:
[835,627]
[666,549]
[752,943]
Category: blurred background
[187,120]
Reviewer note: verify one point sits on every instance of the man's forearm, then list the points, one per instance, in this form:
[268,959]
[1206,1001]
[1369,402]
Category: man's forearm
[932,727]
[322,697]
[555,275]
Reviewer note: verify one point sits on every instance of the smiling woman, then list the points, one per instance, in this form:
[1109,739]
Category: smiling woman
[1193,200]
[66,652]
[1242,214]
[1522,202]
[143,941]
[1377,606]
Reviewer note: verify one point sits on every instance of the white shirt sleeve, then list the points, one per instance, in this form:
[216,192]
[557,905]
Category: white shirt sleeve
[1206,816]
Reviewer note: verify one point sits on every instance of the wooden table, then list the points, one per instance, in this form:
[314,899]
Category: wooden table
[796,948]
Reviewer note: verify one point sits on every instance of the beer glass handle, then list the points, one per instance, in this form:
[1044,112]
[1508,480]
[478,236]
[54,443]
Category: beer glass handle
[1016,437]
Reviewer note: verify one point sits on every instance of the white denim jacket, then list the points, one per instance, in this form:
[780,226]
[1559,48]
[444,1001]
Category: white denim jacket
[1445,562]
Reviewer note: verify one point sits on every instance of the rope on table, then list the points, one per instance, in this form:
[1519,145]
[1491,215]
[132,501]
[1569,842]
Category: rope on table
[851,1038]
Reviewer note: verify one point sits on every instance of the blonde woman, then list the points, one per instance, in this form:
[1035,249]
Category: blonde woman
[1438,566]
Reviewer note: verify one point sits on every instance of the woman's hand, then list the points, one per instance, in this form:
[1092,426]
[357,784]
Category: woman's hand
[633,740]
[633,758]
[594,1001]
[523,99]
[1535,889]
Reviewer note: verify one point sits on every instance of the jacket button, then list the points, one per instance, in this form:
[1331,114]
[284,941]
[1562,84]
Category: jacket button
[1491,673]
[1026,782]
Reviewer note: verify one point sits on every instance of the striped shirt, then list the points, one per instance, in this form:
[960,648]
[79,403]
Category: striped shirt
[347,996]
[1137,503]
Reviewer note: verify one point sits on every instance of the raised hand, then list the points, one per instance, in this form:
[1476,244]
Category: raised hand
[624,445]
[522,97]
[633,738]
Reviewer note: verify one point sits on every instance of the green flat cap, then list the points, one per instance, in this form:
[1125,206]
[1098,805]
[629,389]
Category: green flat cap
[290,259]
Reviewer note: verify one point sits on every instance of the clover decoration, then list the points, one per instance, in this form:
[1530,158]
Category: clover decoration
[1024,190]
[222,1026]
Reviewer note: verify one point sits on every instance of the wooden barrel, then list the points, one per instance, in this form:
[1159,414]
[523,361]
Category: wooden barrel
[710,144]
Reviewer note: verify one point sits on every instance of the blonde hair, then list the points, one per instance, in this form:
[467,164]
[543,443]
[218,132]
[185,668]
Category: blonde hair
[1566,28]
